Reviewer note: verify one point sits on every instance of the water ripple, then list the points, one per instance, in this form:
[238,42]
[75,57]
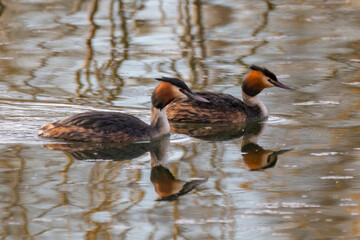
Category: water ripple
[101,217]
[311,103]
[337,177]
[202,221]
[279,120]
[353,84]
[326,154]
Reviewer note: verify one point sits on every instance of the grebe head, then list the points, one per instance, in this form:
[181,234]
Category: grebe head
[260,78]
[170,89]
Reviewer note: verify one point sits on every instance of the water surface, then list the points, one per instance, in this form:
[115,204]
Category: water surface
[296,176]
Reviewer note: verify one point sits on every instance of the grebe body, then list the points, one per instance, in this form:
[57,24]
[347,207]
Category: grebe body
[224,107]
[120,127]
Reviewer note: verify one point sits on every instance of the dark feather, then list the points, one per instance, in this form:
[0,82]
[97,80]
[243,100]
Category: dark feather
[250,91]
[98,127]
[176,82]
[218,100]
[105,122]
[158,102]
[221,108]
[265,71]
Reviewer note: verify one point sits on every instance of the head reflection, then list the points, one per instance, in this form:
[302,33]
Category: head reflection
[255,156]
[166,185]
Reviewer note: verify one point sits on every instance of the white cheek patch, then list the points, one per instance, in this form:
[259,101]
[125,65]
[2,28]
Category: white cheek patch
[178,92]
[268,83]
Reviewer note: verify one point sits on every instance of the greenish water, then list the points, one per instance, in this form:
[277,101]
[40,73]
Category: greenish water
[59,58]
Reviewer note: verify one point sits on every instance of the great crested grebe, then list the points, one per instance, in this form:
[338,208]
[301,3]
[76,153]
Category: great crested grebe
[120,127]
[224,107]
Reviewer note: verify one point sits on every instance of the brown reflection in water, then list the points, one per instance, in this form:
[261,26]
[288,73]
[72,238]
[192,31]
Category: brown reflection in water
[194,18]
[16,66]
[93,27]
[62,199]
[2,8]
[190,20]
[107,73]
[351,80]
[355,210]
[104,196]
[261,27]
[15,219]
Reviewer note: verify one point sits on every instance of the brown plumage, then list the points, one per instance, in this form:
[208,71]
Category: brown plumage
[224,107]
[98,127]
[221,108]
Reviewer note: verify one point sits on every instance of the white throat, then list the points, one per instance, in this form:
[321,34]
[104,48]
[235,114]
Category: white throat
[159,122]
[253,102]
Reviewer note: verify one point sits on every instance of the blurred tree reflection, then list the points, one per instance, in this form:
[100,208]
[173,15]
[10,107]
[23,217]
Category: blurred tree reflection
[102,79]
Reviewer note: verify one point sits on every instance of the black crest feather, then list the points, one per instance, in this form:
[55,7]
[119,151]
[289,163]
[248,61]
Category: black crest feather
[176,82]
[265,71]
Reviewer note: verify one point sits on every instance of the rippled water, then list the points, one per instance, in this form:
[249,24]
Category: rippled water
[294,177]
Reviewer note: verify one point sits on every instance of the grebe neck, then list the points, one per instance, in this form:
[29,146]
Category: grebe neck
[159,122]
[254,101]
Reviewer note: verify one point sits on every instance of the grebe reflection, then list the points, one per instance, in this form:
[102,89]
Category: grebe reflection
[254,156]
[166,185]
